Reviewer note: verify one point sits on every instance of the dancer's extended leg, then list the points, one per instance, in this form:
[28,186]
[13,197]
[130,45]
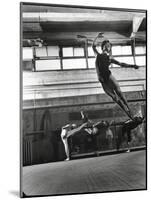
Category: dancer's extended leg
[111,92]
[112,83]
[64,137]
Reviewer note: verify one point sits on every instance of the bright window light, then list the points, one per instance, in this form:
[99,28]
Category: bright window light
[141,60]
[78,51]
[91,62]
[53,50]
[67,51]
[41,51]
[74,63]
[127,60]
[27,53]
[140,49]
[90,51]
[47,65]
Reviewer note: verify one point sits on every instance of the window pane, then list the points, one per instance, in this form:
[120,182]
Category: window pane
[116,50]
[91,62]
[68,51]
[121,50]
[47,65]
[127,60]
[126,50]
[141,60]
[140,50]
[90,51]
[78,51]
[53,50]
[74,63]
[27,53]
[41,52]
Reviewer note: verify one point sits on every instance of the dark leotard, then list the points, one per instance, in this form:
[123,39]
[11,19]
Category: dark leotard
[102,66]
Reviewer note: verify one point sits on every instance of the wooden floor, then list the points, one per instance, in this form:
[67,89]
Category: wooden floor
[125,171]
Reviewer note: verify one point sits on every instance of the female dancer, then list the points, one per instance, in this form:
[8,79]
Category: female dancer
[109,83]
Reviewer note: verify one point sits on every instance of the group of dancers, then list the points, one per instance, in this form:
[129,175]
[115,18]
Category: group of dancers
[111,88]
[95,128]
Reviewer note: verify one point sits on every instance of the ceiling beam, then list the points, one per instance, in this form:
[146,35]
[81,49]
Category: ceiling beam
[79,17]
[137,20]
[71,38]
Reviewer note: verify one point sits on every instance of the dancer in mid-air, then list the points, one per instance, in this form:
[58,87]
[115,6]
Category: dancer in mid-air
[109,83]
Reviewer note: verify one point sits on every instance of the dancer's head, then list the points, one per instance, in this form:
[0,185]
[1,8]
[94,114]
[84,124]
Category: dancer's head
[73,126]
[138,119]
[106,46]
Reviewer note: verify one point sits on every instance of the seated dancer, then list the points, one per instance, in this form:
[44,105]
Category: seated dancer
[109,83]
[67,131]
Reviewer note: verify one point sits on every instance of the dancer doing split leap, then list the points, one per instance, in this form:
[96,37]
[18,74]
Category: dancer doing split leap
[109,83]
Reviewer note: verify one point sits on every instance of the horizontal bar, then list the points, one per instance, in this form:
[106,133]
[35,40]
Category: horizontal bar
[92,87]
[74,105]
[82,82]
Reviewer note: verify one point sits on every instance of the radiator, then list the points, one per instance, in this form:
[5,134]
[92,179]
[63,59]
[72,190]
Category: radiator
[27,152]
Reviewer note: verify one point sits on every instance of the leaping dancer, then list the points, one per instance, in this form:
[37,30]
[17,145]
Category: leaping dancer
[105,77]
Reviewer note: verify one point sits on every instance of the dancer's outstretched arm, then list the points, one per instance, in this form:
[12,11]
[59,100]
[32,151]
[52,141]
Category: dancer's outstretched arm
[95,43]
[125,65]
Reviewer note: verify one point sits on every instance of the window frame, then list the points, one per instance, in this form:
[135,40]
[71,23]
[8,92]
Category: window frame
[86,56]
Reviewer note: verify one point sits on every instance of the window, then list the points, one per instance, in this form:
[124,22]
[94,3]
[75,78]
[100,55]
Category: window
[73,52]
[116,50]
[141,60]
[140,50]
[126,50]
[27,53]
[121,50]
[78,51]
[67,51]
[56,58]
[46,51]
[53,51]
[41,51]
[79,63]
[90,51]
[125,59]
[47,64]
[91,62]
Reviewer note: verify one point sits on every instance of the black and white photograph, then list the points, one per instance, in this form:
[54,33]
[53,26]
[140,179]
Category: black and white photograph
[83,99]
